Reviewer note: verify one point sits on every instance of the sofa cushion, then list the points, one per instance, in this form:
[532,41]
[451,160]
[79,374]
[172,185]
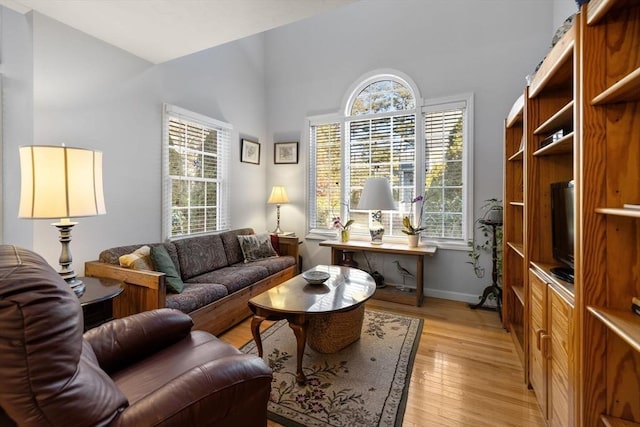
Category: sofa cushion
[112,255]
[164,264]
[257,246]
[232,245]
[195,296]
[200,254]
[140,259]
[234,278]
[273,265]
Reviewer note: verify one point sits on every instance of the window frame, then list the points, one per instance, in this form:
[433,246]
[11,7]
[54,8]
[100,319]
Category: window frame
[223,216]
[422,106]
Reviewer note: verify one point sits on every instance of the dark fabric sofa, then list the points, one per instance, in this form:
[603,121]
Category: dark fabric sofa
[217,281]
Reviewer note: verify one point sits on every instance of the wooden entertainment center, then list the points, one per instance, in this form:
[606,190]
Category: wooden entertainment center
[579,343]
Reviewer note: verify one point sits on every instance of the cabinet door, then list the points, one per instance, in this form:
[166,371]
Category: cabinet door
[560,330]
[538,340]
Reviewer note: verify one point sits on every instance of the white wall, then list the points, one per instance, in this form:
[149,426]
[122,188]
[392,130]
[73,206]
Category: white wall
[90,94]
[16,68]
[447,47]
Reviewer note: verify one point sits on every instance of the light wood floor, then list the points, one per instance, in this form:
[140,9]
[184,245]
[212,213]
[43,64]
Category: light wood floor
[466,372]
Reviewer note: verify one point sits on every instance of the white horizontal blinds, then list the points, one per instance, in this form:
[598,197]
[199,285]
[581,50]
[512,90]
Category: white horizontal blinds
[382,146]
[196,159]
[324,174]
[444,177]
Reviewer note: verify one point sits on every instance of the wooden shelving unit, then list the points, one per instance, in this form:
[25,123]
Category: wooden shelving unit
[540,308]
[610,262]
[581,341]
[513,291]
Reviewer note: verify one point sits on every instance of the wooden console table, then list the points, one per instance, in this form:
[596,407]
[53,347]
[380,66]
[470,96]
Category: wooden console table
[337,249]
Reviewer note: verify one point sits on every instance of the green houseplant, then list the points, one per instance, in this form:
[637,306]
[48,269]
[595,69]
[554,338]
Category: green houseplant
[483,239]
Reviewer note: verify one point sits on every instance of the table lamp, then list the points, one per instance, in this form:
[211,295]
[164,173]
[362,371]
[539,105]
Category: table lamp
[376,197]
[278,196]
[61,182]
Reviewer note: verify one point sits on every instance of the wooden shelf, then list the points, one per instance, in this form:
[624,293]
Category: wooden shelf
[562,146]
[626,89]
[631,213]
[556,122]
[517,247]
[609,421]
[557,68]
[518,155]
[516,114]
[625,324]
[519,292]
[598,9]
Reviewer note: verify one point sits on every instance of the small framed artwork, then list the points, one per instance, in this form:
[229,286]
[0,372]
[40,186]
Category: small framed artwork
[250,152]
[285,152]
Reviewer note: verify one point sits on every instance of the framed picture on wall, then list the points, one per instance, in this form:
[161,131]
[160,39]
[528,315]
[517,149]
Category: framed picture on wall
[250,152]
[285,152]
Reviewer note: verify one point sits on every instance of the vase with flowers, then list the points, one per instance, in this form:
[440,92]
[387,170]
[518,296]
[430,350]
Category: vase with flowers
[413,231]
[343,227]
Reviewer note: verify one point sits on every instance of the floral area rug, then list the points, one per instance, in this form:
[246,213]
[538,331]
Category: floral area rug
[365,384]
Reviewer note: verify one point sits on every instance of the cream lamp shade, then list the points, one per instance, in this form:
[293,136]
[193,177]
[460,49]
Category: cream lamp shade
[376,196]
[278,196]
[61,182]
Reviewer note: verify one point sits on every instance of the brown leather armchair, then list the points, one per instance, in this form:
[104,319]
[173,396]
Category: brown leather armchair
[148,369]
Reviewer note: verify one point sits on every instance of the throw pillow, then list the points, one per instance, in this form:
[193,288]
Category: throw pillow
[164,264]
[139,259]
[256,246]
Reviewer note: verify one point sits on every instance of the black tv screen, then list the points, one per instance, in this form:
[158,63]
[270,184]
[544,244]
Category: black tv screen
[562,229]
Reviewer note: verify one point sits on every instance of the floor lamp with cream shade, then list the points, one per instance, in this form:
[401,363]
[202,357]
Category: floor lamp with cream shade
[61,182]
[376,197]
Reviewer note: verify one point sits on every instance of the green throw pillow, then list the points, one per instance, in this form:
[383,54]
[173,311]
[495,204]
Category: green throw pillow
[164,264]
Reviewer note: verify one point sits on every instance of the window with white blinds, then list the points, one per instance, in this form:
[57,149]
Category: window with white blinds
[444,163]
[382,126]
[325,143]
[195,173]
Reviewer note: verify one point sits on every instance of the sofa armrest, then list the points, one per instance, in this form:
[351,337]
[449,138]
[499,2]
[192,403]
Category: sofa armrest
[143,290]
[120,342]
[229,391]
[290,246]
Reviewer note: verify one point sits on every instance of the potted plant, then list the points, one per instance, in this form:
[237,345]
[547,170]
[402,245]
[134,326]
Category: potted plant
[344,228]
[491,214]
[413,231]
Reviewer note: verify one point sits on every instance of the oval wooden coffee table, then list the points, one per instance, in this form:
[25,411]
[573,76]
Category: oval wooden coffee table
[307,306]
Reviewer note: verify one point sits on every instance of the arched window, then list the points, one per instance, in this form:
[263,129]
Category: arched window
[387,130]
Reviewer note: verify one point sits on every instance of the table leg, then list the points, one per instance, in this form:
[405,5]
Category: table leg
[300,330]
[255,331]
[419,280]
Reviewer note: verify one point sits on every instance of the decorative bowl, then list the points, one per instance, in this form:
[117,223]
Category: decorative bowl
[314,277]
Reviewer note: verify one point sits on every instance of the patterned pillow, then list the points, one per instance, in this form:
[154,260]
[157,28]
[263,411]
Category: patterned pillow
[140,259]
[256,246]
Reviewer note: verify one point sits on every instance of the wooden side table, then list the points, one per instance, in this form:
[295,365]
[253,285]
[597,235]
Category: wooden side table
[339,248]
[96,301]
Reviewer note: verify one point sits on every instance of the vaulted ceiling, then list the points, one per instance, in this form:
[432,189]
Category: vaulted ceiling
[161,30]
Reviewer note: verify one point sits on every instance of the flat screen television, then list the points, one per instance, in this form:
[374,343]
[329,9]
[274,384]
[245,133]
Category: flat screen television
[562,229]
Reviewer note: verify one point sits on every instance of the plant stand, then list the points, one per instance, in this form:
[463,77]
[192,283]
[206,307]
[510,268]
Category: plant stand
[494,288]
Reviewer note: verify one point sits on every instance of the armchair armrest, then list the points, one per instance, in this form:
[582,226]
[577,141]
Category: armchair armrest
[238,385]
[123,341]
[143,291]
